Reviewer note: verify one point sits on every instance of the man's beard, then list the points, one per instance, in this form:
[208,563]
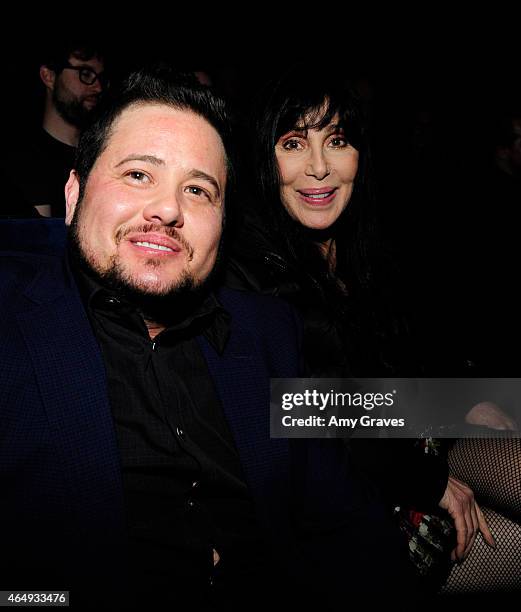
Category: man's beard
[167,306]
[72,109]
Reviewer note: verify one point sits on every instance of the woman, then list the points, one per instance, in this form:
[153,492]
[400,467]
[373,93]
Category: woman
[310,238]
[302,240]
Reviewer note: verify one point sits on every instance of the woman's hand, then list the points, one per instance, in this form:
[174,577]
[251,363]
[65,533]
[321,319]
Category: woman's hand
[459,502]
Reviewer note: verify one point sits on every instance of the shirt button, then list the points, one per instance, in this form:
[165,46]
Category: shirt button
[180,433]
[195,484]
[190,503]
[113,301]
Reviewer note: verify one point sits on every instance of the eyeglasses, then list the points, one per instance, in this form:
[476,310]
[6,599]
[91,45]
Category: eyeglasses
[87,75]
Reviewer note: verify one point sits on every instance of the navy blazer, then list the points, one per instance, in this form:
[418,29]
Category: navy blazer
[61,516]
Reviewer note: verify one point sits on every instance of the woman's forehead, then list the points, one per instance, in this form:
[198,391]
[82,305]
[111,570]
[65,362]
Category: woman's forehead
[313,120]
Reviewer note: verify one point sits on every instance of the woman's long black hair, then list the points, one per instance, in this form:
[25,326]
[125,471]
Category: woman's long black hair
[311,97]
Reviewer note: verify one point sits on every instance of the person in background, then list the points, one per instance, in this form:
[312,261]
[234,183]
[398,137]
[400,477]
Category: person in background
[73,75]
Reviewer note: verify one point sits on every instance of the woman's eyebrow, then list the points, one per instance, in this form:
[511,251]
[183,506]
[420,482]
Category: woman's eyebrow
[334,127]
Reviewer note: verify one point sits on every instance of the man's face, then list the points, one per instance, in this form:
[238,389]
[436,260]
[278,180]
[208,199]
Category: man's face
[73,99]
[151,216]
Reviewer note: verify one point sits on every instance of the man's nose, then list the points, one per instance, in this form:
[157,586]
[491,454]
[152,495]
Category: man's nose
[317,164]
[96,87]
[165,210]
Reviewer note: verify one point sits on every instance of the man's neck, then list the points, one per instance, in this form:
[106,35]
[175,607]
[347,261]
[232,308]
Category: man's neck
[154,329]
[58,128]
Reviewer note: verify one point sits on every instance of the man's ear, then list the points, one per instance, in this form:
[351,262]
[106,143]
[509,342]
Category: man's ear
[48,77]
[72,192]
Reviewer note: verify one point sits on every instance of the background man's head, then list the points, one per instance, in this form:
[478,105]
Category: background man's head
[74,77]
[146,201]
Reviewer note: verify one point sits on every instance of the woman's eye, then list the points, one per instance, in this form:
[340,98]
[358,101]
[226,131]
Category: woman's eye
[292,145]
[338,141]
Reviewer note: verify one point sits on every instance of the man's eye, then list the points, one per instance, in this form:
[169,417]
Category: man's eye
[197,191]
[88,74]
[138,176]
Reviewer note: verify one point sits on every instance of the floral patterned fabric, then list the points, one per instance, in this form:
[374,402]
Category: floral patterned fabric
[431,537]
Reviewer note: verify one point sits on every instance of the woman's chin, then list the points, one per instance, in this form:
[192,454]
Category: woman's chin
[318,222]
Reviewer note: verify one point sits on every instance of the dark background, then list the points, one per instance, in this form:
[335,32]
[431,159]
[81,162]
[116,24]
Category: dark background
[433,86]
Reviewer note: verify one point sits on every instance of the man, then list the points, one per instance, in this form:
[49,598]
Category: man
[136,466]
[73,76]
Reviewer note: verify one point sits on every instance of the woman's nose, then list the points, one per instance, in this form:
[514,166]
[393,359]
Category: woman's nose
[317,164]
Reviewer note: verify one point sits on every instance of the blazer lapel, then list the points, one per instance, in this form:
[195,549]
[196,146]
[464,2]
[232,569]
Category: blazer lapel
[242,383]
[71,379]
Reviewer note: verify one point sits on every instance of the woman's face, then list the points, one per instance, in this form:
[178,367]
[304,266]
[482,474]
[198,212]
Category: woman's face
[318,168]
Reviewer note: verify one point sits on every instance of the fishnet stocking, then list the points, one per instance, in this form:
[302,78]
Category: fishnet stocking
[492,468]
[487,570]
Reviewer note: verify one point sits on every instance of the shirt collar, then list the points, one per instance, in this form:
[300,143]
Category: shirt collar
[209,317]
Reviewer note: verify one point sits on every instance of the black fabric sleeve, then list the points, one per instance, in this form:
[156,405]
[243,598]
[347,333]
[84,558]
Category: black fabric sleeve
[405,473]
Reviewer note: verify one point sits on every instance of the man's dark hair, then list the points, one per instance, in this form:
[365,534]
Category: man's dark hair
[154,85]
[57,54]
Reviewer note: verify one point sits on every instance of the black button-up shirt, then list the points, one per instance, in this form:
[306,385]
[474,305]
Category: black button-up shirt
[184,490]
